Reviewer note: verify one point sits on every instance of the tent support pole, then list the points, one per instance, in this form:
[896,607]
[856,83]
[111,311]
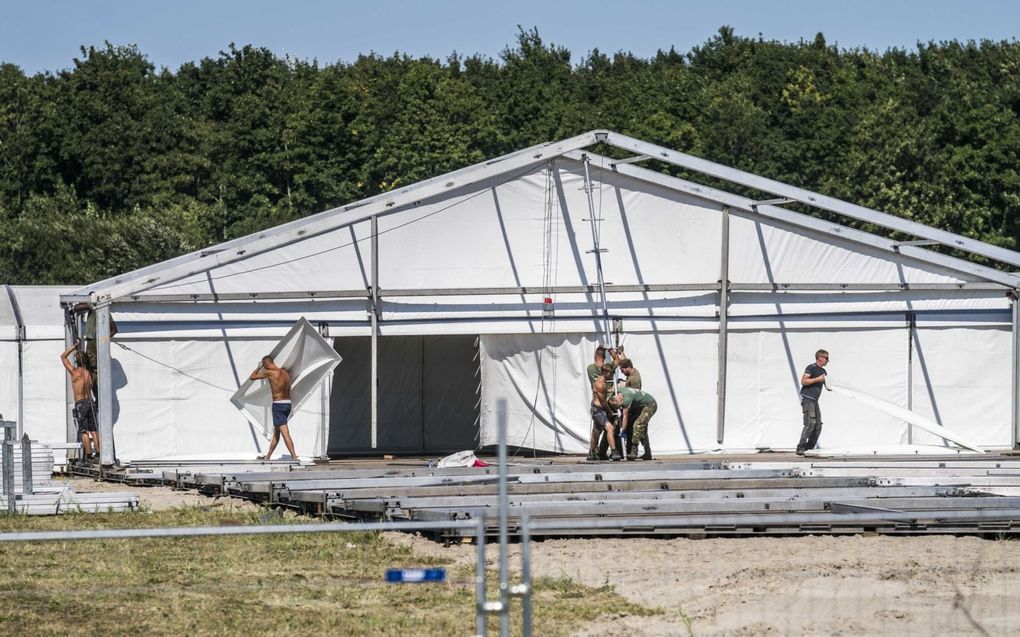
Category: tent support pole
[597,251]
[69,424]
[374,315]
[724,302]
[1015,388]
[104,385]
[911,325]
[20,336]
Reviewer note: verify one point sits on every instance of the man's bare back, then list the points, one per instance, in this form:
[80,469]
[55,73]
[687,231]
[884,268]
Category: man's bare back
[278,377]
[81,379]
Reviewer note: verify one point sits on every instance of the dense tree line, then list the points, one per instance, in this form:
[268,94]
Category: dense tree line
[114,164]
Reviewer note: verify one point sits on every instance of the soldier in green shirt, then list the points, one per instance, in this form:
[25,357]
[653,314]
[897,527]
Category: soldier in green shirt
[638,408]
[633,376]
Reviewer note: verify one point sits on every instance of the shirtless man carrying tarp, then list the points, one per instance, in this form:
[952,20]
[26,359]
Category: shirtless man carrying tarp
[279,383]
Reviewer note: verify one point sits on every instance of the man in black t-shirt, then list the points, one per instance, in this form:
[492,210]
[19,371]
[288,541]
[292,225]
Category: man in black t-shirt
[811,382]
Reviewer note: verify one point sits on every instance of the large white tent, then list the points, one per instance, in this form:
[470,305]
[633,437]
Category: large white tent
[496,281]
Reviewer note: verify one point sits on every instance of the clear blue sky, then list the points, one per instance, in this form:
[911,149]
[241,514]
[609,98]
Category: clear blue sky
[40,35]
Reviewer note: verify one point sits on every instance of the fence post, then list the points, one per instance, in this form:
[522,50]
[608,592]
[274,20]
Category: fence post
[26,466]
[8,479]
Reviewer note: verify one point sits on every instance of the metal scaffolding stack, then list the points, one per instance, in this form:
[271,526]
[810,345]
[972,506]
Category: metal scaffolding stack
[978,495]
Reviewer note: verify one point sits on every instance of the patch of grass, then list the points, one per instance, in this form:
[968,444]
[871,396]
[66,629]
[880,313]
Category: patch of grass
[299,584]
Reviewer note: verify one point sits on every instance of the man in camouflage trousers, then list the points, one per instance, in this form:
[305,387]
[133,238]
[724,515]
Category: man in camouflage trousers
[638,408]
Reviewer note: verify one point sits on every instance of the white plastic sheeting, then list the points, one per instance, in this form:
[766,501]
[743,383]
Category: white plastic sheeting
[309,360]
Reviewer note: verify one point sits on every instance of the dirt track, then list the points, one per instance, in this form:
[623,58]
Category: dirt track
[790,586]
[818,585]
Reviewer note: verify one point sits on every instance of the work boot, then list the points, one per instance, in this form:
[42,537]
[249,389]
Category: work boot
[591,456]
[647,455]
[632,453]
[617,455]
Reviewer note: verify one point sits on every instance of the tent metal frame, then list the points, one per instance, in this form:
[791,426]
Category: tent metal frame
[130,286]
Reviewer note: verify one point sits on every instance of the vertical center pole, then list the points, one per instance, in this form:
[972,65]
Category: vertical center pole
[724,313]
[374,317]
[104,384]
[597,249]
[504,535]
[1015,389]
[70,428]
[911,324]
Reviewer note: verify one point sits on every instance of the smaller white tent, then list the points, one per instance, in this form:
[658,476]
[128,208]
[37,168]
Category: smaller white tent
[32,379]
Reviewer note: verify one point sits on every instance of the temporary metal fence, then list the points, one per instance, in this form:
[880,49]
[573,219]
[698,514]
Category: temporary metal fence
[483,606]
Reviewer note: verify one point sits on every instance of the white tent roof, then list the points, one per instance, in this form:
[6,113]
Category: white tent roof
[328,254]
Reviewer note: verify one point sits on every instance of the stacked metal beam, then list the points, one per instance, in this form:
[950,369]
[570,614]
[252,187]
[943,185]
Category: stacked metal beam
[909,495]
[42,466]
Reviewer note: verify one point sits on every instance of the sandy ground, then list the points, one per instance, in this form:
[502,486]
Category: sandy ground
[817,585]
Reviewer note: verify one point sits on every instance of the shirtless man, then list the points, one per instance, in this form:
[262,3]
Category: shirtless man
[602,415]
[279,382]
[84,409]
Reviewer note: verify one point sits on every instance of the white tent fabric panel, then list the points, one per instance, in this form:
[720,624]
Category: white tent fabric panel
[763,385]
[542,378]
[45,398]
[962,381]
[762,252]
[337,260]
[174,400]
[9,380]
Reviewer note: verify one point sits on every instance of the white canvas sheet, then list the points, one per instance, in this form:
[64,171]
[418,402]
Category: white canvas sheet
[308,358]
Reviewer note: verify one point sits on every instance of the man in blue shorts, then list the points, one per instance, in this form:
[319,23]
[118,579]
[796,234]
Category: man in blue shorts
[279,383]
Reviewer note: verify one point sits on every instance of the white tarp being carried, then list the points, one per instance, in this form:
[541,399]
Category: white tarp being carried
[307,357]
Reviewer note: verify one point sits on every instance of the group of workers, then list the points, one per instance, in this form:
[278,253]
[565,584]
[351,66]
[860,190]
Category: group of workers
[620,409]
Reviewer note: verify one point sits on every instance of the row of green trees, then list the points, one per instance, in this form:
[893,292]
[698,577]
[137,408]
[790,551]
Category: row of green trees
[114,164]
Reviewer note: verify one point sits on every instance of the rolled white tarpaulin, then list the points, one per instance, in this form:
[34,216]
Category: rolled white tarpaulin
[307,357]
[903,414]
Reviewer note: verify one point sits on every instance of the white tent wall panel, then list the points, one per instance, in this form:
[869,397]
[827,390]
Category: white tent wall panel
[45,398]
[173,400]
[962,380]
[9,380]
[541,376]
[763,385]
[762,252]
